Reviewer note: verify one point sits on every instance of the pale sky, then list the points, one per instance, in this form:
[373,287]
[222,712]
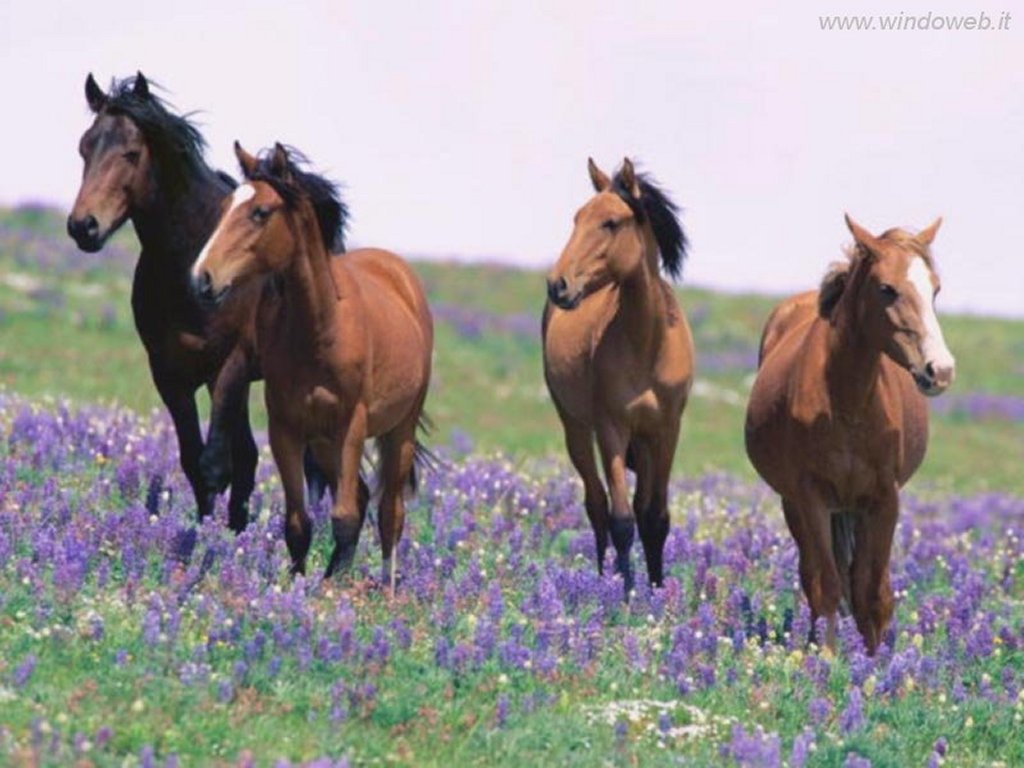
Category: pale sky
[462,128]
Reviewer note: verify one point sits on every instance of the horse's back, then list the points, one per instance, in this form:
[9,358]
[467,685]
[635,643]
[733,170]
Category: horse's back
[787,315]
[387,277]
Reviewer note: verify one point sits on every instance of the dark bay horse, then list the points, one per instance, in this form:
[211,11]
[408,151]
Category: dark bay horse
[618,359]
[146,164]
[346,351]
[837,420]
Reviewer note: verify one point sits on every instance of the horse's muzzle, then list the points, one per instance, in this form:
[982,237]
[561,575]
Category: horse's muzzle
[561,297]
[86,233]
[202,289]
[934,379]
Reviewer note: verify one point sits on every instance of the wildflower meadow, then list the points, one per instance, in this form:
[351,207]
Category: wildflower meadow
[130,635]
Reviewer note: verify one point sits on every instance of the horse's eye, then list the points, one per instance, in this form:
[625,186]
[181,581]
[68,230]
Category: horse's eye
[889,292]
[132,156]
[260,214]
[610,224]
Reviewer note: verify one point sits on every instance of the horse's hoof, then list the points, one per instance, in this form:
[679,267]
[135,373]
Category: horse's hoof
[238,518]
[215,467]
[341,560]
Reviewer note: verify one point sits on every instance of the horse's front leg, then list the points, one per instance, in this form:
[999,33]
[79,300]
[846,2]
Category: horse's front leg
[287,447]
[810,521]
[871,591]
[349,503]
[612,442]
[579,441]
[227,391]
[179,398]
[230,454]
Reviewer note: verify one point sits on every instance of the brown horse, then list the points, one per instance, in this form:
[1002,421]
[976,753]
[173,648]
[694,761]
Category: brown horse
[618,359]
[146,164]
[837,420]
[346,351]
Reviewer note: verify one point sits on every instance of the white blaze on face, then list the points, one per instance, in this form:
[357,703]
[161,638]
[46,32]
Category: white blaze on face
[242,194]
[933,345]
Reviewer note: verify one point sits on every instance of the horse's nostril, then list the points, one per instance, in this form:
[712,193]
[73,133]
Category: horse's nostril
[929,369]
[91,226]
[202,284]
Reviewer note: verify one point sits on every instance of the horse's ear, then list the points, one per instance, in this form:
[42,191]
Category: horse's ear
[862,237]
[246,161]
[94,95]
[141,87]
[279,164]
[598,177]
[629,180]
[926,235]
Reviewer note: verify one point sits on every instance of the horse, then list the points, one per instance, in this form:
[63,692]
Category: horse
[346,351]
[618,359]
[146,164]
[837,420]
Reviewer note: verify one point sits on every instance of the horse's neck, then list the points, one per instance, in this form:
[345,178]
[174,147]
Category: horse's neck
[310,287]
[852,363]
[642,302]
[174,225]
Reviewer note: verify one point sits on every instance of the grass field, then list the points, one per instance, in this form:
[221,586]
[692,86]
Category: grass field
[129,636]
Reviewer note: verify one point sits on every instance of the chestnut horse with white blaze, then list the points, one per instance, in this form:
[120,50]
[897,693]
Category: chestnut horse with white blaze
[837,421]
[346,351]
[618,359]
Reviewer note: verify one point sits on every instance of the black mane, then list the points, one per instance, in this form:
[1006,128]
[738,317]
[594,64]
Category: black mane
[654,205]
[293,182]
[176,144]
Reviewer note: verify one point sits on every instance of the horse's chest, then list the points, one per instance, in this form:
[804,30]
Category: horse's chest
[857,460]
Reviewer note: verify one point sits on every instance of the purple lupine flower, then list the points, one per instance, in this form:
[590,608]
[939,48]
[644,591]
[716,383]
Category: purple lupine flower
[852,717]
[24,670]
[501,710]
[801,748]
[818,710]
[853,760]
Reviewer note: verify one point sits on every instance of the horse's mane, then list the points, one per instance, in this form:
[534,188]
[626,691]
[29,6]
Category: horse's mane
[838,275]
[656,206]
[176,144]
[292,183]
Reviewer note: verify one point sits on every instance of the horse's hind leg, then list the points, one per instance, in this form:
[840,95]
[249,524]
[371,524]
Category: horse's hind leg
[652,517]
[298,532]
[872,592]
[397,452]
[613,440]
[348,509]
[244,457]
[579,441]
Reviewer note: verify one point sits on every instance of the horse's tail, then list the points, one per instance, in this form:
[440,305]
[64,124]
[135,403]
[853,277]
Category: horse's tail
[842,553]
[423,459]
